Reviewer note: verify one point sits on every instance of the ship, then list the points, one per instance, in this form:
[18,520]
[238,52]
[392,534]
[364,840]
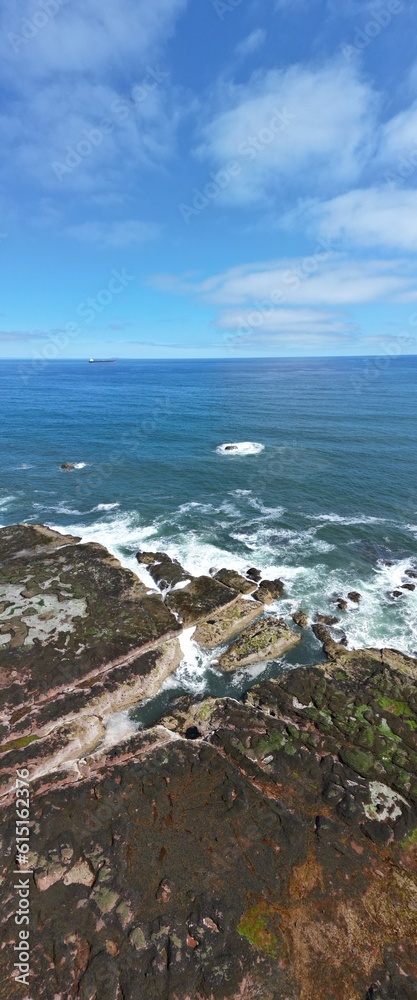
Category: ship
[102,361]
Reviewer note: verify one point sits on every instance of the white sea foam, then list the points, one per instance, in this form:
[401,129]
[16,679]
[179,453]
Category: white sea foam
[240,448]
[106,506]
[5,501]
[119,727]
[24,465]
[349,521]
[80,465]
[299,558]
[192,671]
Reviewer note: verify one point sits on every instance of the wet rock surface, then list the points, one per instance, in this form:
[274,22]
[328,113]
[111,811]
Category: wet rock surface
[269,591]
[234,580]
[263,640]
[256,858]
[263,849]
[203,596]
[164,571]
[226,622]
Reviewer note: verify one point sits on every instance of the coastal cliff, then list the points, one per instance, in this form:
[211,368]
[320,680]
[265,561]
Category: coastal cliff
[257,848]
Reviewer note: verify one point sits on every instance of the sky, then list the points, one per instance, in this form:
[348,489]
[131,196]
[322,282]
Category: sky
[208,178]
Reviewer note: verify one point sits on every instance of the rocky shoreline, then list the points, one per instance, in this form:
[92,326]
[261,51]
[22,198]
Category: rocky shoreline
[264,848]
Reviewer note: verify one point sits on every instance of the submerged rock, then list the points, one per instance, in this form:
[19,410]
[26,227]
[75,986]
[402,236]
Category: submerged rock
[269,591]
[341,604]
[254,574]
[300,618]
[68,466]
[355,597]
[166,572]
[265,639]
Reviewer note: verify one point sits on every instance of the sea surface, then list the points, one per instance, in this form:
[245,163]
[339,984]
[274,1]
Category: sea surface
[328,503]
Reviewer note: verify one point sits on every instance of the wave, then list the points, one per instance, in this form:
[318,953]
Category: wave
[315,573]
[80,465]
[4,502]
[349,521]
[106,506]
[241,448]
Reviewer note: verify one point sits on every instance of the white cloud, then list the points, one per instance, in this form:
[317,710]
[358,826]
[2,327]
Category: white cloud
[373,217]
[398,137]
[323,279]
[129,232]
[251,43]
[300,302]
[91,61]
[328,116]
[282,321]
[87,37]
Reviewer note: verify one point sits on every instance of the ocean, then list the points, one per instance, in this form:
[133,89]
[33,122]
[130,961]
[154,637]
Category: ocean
[323,494]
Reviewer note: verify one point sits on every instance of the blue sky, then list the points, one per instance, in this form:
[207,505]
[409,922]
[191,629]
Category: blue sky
[208,178]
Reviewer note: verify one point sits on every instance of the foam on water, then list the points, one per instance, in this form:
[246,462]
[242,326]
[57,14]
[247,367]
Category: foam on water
[5,501]
[315,572]
[119,727]
[349,521]
[106,506]
[239,448]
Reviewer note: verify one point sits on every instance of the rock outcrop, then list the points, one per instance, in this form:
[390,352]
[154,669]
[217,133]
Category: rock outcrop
[254,849]
[265,639]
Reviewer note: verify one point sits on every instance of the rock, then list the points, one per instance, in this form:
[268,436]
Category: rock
[327,619]
[166,572]
[263,640]
[300,618]
[408,586]
[226,622]
[230,865]
[395,594]
[78,618]
[231,447]
[269,591]
[67,466]
[27,540]
[355,596]
[254,574]
[199,600]
[231,578]
[412,573]
[341,604]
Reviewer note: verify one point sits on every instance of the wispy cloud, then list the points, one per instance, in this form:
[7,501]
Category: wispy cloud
[339,282]
[251,43]
[331,111]
[372,217]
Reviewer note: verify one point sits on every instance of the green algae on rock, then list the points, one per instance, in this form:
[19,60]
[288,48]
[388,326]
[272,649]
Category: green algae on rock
[263,640]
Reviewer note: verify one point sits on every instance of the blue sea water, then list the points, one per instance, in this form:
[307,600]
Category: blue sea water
[329,504]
